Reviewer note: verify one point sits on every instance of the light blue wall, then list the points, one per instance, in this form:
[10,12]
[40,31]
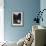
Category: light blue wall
[43,6]
[29,7]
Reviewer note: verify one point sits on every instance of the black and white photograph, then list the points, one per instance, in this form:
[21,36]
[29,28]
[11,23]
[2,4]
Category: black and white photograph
[17,18]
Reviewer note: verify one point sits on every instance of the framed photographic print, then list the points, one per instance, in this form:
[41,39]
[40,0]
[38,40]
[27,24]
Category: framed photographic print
[17,18]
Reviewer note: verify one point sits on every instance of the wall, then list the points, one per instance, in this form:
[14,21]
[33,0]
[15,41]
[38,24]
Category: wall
[43,6]
[29,7]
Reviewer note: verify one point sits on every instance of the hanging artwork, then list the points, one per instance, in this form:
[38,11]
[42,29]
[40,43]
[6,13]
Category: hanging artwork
[17,18]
